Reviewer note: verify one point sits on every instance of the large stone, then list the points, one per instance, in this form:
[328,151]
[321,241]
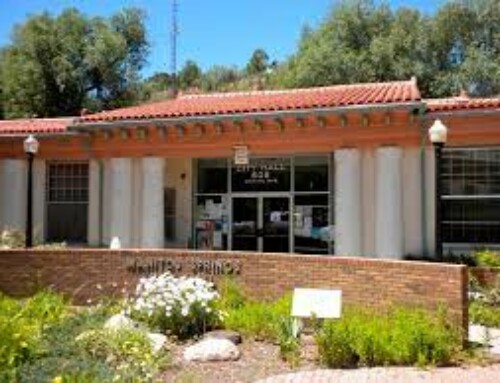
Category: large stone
[209,350]
[157,341]
[232,336]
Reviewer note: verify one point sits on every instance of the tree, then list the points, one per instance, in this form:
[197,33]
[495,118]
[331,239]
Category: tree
[259,62]
[190,75]
[363,41]
[220,78]
[57,65]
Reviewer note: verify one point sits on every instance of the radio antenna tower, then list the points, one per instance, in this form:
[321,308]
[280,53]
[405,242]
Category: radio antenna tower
[173,44]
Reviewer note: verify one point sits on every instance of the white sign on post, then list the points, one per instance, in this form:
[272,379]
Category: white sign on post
[320,303]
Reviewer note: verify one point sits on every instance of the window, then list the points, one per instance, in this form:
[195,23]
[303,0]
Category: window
[169,213]
[67,201]
[471,195]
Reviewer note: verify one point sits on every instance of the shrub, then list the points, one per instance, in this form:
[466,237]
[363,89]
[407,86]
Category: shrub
[396,337]
[258,320]
[182,307]
[14,239]
[127,351]
[487,258]
[288,342]
[484,314]
[22,323]
[231,294]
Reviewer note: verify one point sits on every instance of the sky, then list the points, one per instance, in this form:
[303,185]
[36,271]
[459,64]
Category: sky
[216,32]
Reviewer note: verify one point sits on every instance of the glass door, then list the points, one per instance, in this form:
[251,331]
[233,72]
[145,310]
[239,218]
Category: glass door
[246,223]
[261,224]
[276,224]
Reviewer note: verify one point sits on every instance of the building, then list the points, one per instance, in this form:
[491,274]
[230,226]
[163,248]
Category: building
[344,170]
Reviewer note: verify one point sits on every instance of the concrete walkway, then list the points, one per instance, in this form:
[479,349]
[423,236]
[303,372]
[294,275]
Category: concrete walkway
[488,374]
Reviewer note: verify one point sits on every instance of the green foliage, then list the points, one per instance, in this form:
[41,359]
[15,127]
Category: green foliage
[484,307]
[397,337]
[63,356]
[258,63]
[362,41]
[288,342]
[15,239]
[190,75]
[484,314]
[54,66]
[22,323]
[487,258]
[231,294]
[259,320]
[127,351]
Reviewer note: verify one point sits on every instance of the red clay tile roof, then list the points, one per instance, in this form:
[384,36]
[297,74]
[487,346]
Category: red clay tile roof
[267,101]
[461,103]
[35,125]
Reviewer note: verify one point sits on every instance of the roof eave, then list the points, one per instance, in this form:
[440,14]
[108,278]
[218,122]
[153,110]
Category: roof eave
[82,125]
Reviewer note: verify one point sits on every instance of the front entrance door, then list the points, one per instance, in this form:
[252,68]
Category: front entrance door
[261,224]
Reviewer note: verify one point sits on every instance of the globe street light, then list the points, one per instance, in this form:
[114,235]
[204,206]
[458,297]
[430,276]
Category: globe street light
[437,135]
[30,148]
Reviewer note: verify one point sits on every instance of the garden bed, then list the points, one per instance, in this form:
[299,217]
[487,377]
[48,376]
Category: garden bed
[44,339]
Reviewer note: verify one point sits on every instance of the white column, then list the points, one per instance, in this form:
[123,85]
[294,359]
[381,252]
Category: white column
[13,194]
[389,228]
[412,201]
[121,200]
[94,209]
[39,200]
[348,202]
[429,188]
[152,217]
[368,206]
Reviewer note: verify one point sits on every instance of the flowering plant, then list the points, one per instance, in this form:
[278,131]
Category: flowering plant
[182,307]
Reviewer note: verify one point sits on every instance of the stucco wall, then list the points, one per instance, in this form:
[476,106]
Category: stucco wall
[179,175]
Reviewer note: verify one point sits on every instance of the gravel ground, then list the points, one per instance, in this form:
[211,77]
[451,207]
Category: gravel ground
[260,362]
[488,374]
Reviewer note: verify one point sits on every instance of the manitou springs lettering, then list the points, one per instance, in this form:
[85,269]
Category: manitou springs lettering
[148,266]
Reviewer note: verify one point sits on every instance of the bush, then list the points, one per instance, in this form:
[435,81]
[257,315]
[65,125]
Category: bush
[288,342]
[127,351]
[484,314]
[397,337]
[259,320]
[15,239]
[335,345]
[487,258]
[183,307]
[22,323]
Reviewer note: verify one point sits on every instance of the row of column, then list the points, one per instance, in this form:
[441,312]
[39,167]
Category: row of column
[133,202]
[378,202]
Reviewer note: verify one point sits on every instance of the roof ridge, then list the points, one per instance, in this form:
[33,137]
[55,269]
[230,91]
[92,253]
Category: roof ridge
[285,91]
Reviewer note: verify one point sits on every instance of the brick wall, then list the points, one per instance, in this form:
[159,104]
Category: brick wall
[486,277]
[86,274]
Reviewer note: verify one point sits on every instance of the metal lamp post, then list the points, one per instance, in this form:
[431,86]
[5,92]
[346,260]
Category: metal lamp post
[30,148]
[437,134]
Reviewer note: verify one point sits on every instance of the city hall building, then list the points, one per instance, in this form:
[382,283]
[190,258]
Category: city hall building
[346,170]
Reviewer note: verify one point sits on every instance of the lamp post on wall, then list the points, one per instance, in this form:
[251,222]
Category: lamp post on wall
[437,135]
[30,148]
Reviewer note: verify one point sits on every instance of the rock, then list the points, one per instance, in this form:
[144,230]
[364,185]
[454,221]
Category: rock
[478,334]
[119,322]
[232,336]
[212,349]
[157,341]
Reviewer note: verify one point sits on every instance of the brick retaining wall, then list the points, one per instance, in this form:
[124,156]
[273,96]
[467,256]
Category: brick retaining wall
[486,277]
[86,274]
